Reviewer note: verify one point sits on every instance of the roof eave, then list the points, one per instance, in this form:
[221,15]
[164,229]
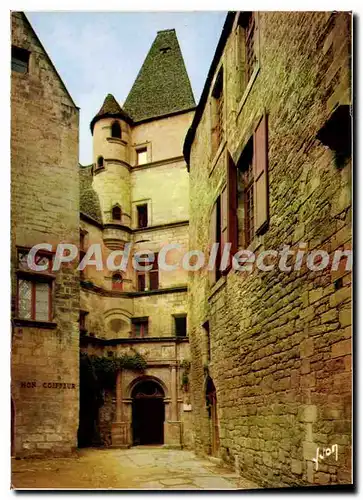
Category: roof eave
[122,116]
[189,138]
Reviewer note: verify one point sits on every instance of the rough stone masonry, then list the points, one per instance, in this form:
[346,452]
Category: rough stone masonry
[277,345]
[44,209]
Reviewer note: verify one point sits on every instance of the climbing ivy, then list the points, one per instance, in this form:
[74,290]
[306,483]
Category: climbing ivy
[97,374]
[105,369]
[185,365]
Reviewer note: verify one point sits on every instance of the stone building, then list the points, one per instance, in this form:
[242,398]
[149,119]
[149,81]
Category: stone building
[136,192]
[270,165]
[44,209]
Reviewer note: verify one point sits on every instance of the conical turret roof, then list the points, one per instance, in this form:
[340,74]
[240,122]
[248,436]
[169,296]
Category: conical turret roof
[110,108]
[162,86]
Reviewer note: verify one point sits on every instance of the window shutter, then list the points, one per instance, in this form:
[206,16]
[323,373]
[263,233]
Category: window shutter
[260,162]
[232,229]
[212,239]
[224,222]
[224,218]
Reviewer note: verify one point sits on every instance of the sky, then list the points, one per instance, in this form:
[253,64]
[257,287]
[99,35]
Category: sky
[97,53]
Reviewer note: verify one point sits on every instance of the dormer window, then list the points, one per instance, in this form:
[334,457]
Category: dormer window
[165,50]
[100,162]
[116,213]
[116,130]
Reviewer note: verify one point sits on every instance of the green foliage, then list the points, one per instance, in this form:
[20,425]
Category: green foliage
[185,365]
[104,369]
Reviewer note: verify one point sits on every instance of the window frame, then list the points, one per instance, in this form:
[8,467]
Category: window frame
[118,208]
[114,124]
[177,317]
[119,283]
[146,276]
[217,110]
[33,298]
[138,207]
[140,150]
[246,167]
[16,60]
[245,84]
[34,278]
[144,327]
[100,163]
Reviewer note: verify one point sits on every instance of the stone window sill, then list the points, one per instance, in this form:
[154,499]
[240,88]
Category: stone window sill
[116,140]
[50,325]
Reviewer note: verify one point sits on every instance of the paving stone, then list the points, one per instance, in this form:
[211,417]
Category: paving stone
[137,468]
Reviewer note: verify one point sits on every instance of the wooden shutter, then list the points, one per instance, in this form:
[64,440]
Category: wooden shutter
[224,218]
[212,239]
[260,164]
[232,227]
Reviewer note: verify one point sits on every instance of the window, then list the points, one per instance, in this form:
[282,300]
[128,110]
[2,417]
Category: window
[141,282]
[141,156]
[241,211]
[252,186]
[148,280]
[19,59]
[117,282]
[116,213]
[100,162]
[180,323]
[34,290]
[246,53]
[140,327]
[154,274]
[217,112]
[250,44]
[82,322]
[142,215]
[336,133]
[116,130]
[206,331]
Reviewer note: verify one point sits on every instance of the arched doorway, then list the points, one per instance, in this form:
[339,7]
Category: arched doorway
[211,397]
[148,413]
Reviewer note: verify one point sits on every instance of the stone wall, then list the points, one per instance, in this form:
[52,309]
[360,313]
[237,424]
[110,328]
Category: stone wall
[280,342]
[44,209]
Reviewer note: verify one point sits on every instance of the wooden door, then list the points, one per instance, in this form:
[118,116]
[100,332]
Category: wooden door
[213,415]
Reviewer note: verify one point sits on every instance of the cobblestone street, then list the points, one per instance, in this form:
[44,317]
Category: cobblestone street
[136,468]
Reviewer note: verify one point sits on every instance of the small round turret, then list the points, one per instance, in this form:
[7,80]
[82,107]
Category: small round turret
[111,130]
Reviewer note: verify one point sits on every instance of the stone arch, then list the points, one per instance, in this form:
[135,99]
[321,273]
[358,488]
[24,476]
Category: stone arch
[118,321]
[148,410]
